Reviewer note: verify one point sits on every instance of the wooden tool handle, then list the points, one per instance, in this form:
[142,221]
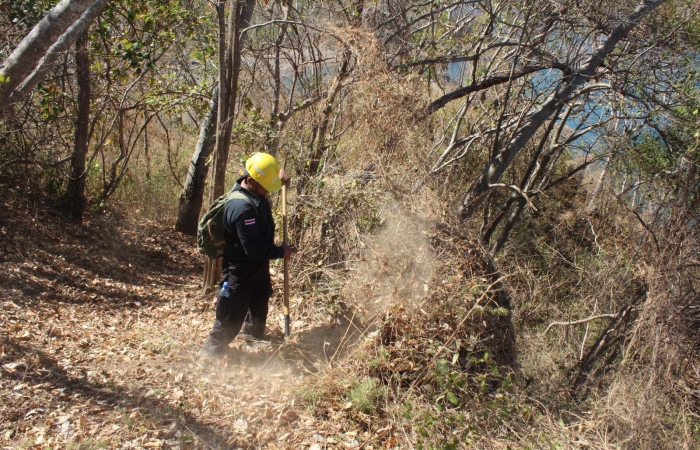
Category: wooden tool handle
[285,306]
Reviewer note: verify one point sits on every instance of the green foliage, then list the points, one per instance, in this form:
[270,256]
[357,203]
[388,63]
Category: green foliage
[137,34]
[53,102]
[127,40]
[464,403]
[366,395]
[311,396]
[666,160]
[27,13]
[249,128]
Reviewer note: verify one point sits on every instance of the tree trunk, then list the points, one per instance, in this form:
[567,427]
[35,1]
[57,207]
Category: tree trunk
[74,200]
[531,174]
[319,147]
[230,50]
[56,32]
[273,133]
[597,186]
[569,86]
[193,193]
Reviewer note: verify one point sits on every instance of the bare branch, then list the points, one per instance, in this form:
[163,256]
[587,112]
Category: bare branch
[578,322]
[518,191]
[455,58]
[481,85]
[292,22]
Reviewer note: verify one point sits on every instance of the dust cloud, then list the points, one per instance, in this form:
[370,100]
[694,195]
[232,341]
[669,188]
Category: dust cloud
[397,265]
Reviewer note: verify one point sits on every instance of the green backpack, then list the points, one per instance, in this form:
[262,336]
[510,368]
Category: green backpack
[211,233]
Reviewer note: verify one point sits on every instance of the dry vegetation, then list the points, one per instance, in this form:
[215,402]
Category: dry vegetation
[405,332]
[101,333]
[400,339]
[581,332]
[402,334]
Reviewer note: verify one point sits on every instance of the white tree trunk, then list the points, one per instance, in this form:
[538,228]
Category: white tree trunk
[57,31]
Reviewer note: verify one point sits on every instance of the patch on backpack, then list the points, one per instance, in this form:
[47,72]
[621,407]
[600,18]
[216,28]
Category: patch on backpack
[249,221]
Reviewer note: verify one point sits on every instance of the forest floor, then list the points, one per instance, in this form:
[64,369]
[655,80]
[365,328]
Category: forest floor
[100,340]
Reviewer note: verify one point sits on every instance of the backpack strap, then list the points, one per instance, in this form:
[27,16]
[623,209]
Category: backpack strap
[211,233]
[237,194]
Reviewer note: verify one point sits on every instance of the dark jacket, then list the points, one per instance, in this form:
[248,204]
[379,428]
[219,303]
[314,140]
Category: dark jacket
[250,233]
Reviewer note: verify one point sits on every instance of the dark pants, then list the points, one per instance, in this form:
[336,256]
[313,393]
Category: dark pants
[249,290]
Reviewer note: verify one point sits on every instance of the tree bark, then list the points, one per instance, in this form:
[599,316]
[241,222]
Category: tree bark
[273,134]
[74,200]
[533,172]
[57,31]
[240,14]
[598,185]
[193,193]
[482,85]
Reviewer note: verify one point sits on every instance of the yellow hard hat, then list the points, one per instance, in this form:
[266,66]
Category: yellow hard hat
[265,170]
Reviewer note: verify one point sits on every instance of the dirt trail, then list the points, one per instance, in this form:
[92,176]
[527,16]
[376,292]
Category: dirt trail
[99,346]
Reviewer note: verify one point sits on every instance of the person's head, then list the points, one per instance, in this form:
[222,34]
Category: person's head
[263,173]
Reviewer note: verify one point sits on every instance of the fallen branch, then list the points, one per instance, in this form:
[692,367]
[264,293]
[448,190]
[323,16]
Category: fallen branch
[577,322]
[607,340]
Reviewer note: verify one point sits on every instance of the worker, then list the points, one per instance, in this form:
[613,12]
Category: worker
[245,286]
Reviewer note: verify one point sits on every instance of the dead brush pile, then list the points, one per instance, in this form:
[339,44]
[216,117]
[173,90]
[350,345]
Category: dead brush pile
[607,317]
[432,347]
[647,394]
[367,170]
[437,365]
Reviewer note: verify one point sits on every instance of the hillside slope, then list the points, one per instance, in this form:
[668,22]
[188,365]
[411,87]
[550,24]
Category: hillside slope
[421,342]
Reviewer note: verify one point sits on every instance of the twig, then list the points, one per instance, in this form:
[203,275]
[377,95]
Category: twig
[306,25]
[577,322]
[351,323]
